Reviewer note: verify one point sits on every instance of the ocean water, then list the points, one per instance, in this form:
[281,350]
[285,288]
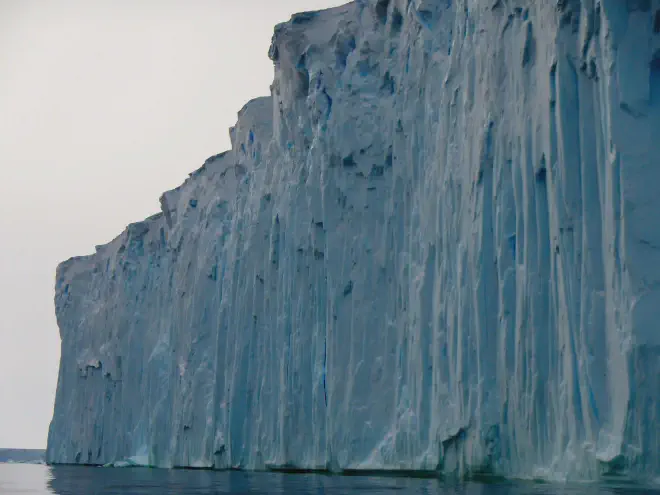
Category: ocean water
[25,479]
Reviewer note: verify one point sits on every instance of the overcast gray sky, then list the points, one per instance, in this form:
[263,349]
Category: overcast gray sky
[104,104]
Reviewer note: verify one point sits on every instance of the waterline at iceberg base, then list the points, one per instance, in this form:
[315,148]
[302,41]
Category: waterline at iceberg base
[434,247]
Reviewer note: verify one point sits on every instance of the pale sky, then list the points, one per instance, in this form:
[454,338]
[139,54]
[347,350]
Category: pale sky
[104,104]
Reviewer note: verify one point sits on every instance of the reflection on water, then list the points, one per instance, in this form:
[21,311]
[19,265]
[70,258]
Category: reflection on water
[69,480]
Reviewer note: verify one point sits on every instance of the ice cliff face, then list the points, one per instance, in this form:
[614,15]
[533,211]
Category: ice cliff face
[434,247]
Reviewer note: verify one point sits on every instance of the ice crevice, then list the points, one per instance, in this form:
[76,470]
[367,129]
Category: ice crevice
[433,247]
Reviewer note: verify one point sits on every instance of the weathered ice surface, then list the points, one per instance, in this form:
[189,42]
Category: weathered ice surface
[434,247]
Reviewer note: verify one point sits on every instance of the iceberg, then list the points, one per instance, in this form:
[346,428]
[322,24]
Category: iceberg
[433,247]
[22,456]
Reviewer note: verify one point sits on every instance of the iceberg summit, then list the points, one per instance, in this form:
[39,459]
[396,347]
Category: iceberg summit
[434,247]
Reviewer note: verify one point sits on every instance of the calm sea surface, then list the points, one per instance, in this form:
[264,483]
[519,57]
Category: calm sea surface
[27,479]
